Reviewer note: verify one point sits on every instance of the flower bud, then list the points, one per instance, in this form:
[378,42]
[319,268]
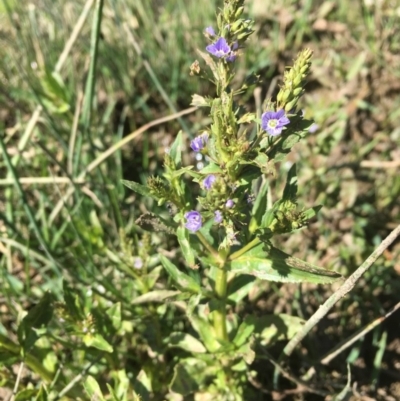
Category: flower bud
[239,12]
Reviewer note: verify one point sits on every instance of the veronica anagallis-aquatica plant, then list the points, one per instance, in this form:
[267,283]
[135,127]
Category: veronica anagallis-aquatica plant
[225,234]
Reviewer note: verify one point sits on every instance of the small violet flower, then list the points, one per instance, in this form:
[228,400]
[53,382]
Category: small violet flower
[230,203]
[198,143]
[273,122]
[209,31]
[209,181]
[138,263]
[218,216]
[193,221]
[221,49]
[231,58]
[314,127]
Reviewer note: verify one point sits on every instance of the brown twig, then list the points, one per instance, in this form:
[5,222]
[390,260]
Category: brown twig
[349,341]
[380,164]
[347,286]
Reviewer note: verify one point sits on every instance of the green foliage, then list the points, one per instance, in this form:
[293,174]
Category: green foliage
[269,263]
[89,307]
[33,325]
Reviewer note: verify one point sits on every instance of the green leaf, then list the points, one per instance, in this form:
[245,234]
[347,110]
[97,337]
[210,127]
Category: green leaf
[121,386]
[239,287]
[187,249]
[272,328]
[200,101]
[190,375]
[53,85]
[114,313]
[55,96]
[73,302]
[42,395]
[97,341]
[181,280]
[274,265]
[142,385]
[243,333]
[25,395]
[184,170]
[138,188]
[152,277]
[184,341]
[112,393]
[192,303]
[211,169]
[206,332]
[259,207]
[154,296]
[248,175]
[310,213]
[247,118]
[33,325]
[92,388]
[290,191]
[176,150]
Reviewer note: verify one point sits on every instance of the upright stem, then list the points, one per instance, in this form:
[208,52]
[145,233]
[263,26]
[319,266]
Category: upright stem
[221,280]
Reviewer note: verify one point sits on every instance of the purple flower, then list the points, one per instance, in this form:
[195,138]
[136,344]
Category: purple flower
[218,216]
[209,31]
[199,142]
[138,263]
[230,203]
[193,221]
[209,180]
[273,122]
[219,49]
[314,127]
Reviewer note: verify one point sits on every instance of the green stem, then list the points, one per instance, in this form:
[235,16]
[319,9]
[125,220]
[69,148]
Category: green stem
[210,249]
[221,281]
[246,248]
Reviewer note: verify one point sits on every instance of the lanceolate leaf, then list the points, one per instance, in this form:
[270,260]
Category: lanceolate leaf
[211,169]
[274,265]
[176,150]
[155,296]
[290,191]
[97,341]
[34,324]
[92,388]
[181,280]
[259,207]
[187,249]
[138,188]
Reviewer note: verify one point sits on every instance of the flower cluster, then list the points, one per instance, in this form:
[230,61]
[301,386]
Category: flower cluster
[225,144]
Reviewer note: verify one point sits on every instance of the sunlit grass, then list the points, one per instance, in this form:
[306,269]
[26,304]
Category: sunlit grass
[89,238]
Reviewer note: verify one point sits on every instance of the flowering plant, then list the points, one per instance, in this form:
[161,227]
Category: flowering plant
[225,234]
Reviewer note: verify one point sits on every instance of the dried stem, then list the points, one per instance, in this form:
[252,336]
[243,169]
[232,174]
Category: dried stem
[347,286]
